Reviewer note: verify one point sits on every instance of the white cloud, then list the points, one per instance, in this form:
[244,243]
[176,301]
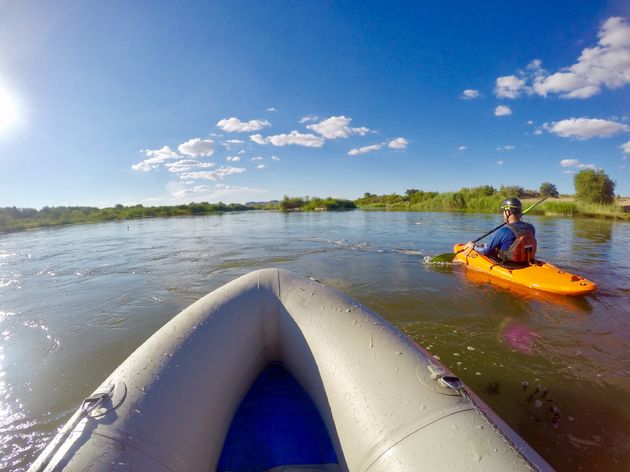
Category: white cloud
[606,65]
[232,125]
[509,86]
[294,137]
[569,162]
[275,158]
[218,174]
[462,148]
[529,122]
[232,144]
[398,143]
[156,158]
[499,163]
[625,147]
[469,94]
[365,149]
[502,110]
[585,128]
[337,127]
[219,192]
[271,109]
[233,158]
[307,118]
[257,158]
[187,165]
[261,166]
[575,163]
[509,147]
[538,132]
[197,147]
[258,139]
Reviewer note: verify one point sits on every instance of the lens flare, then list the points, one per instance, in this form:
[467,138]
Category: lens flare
[8,110]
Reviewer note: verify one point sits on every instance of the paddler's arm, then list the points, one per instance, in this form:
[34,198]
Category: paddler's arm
[479,247]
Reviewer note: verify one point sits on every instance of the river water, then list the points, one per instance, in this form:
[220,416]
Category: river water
[76,301]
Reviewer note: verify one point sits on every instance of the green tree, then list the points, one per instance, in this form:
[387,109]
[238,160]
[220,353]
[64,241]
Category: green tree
[511,191]
[548,189]
[294,203]
[593,186]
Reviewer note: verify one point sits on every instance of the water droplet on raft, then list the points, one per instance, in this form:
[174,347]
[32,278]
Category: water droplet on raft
[470,348]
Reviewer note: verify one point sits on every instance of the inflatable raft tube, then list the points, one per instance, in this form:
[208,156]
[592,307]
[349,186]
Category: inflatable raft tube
[383,402]
[540,275]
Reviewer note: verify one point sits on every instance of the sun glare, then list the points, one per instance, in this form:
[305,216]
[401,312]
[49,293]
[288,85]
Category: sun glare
[8,110]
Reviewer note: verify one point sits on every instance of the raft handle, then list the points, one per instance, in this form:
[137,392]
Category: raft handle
[443,378]
[450,381]
[95,400]
[88,406]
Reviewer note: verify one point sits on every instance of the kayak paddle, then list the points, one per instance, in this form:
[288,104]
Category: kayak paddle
[448,257]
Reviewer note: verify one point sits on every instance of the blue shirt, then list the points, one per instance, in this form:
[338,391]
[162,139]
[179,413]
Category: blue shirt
[503,239]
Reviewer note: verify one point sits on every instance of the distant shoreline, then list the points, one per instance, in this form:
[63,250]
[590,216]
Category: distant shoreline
[554,209]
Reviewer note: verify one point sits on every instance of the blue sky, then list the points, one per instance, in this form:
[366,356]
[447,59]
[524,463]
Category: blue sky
[172,102]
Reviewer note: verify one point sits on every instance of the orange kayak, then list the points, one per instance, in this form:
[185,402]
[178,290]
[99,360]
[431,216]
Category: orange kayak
[540,275]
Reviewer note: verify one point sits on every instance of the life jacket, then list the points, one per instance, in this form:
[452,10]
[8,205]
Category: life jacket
[523,249]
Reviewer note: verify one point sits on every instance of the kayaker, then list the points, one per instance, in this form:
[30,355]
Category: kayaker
[515,242]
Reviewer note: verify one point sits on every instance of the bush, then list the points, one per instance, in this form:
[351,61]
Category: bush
[593,186]
[288,203]
[511,191]
[548,189]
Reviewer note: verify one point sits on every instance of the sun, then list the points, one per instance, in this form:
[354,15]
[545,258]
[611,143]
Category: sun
[8,110]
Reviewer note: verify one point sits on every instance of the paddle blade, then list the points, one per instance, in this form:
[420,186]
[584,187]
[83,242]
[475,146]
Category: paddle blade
[448,257]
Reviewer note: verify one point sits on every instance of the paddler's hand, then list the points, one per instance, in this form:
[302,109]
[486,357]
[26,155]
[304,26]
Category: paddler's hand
[469,247]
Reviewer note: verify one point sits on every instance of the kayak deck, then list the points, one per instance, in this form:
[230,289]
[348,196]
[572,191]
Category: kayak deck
[540,275]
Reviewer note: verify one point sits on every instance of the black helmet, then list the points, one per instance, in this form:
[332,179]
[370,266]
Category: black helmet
[513,205]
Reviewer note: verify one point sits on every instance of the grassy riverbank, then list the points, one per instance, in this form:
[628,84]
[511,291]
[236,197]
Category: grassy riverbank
[467,202]
[19,219]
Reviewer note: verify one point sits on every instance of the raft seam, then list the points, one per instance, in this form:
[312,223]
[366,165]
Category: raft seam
[414,432]
[132,446]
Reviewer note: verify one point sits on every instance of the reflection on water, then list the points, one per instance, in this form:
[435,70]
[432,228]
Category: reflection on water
[570,304]
[76,301]
[596,231]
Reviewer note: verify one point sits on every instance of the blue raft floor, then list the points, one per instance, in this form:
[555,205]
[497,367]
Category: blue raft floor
[276,424]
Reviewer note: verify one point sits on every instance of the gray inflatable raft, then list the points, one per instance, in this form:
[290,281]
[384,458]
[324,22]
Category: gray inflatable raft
[188,399]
